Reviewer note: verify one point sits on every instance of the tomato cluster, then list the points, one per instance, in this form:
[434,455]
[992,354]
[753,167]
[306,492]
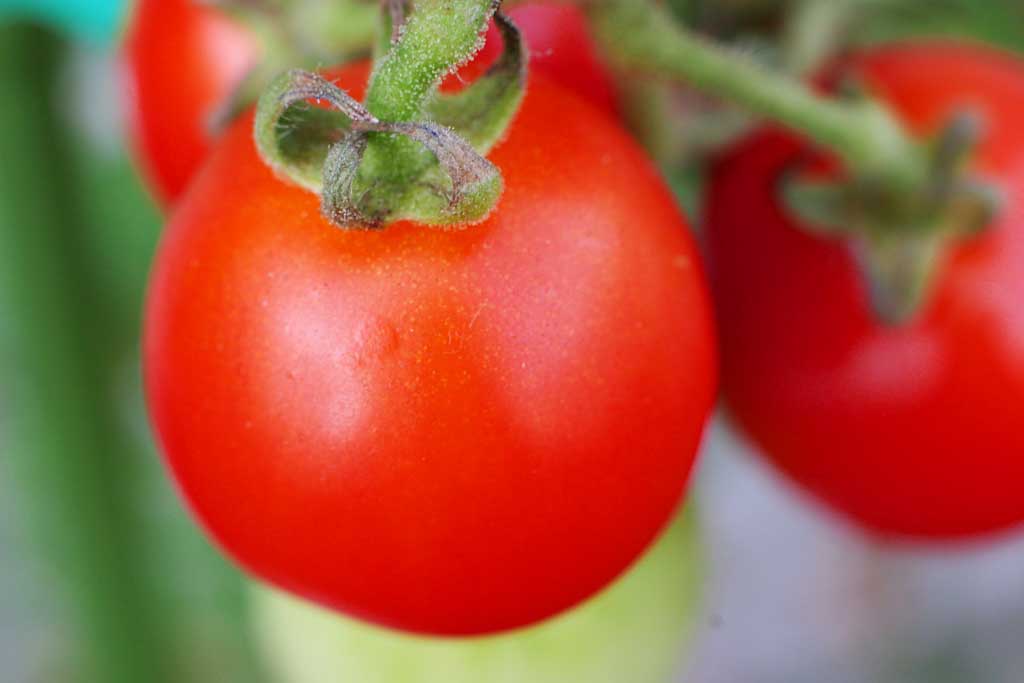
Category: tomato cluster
[910,430]
[464,432]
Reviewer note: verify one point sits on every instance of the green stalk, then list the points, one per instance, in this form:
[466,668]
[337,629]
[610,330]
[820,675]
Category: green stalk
[438,36]
[903,201]
[814,30]
[61,439]
[411,153]
[641,35]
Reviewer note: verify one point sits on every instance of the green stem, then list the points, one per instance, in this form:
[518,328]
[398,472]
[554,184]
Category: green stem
[335,29]
[62,442]
[814,31]
[301,30]
[643,36]
[371,171]
[438,36]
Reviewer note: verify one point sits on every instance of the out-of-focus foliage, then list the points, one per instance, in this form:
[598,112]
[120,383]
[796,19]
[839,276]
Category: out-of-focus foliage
[93,20]
[635,631]
[994,21]
[139,592]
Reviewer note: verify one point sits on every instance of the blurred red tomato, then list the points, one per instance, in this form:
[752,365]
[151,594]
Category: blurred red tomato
[913,430]
[182,59]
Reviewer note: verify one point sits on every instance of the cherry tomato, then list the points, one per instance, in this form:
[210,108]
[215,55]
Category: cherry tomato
[183,60]
[911,431]
[451,432]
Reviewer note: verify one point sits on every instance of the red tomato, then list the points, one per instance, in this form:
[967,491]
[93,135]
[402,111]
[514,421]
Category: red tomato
[452,432]
[913,430]
[184,59]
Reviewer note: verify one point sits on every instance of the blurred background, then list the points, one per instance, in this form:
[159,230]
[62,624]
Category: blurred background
[104,578]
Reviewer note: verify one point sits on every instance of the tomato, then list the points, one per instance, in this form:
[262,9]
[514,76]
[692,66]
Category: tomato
[183,60]
[451,432]
[911,431]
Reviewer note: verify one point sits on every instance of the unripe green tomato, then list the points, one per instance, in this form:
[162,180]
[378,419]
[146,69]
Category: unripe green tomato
[635,631]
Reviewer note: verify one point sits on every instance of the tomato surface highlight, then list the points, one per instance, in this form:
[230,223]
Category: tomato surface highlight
[910,431]
[450,432]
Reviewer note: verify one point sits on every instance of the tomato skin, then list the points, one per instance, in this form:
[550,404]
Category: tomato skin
[182,60]
[912,431]
[450,432]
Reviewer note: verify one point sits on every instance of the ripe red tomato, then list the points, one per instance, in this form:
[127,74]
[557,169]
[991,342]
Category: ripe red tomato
[183,60]
[451,432]
[913,430]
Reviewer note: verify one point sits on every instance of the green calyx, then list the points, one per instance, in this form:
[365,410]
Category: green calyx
[411,153]
[472,111]
[900,236]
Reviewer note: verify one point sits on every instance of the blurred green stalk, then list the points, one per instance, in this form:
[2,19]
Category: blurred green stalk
[61,439]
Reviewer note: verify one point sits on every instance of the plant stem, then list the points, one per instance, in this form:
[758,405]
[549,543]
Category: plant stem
[641,35]
[437,37]
[814,30]
[62,442]
[420,158]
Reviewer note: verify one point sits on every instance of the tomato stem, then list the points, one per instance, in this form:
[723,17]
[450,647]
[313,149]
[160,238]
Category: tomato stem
[435,39]
[641,35]
[438,37]
[307,30]
[900,201]
[813,31]
[412,153]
